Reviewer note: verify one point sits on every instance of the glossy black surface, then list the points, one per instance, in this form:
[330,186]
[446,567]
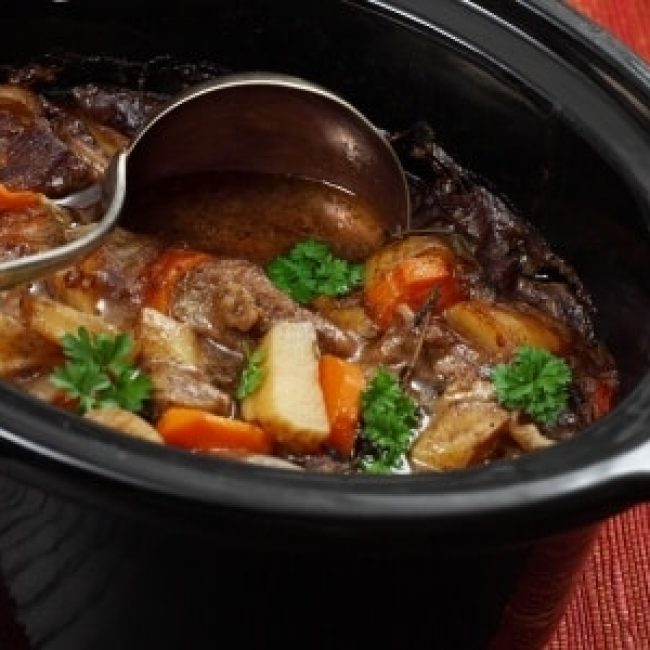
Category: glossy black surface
[570,154]
[104,536]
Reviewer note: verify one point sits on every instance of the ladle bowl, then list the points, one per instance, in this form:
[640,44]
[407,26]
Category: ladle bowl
[254,123]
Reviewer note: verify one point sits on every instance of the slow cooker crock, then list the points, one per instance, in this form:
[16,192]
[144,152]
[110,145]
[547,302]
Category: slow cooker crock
[109,542]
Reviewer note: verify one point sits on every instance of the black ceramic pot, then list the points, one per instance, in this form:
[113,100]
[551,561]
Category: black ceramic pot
[106,542]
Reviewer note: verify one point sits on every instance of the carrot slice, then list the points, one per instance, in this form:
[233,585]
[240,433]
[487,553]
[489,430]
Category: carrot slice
[166,271]
[410,283]
[203,431]
[603,400]
[10,200]
[342,383]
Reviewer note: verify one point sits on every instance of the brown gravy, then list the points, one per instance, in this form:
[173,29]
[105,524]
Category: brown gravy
[227,213]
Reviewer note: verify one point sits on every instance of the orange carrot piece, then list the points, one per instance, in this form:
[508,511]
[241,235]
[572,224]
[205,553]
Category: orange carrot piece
[17,200]
[202,431]
[419,275]
[410,283]
[342,383]
[166,271]
[603,400]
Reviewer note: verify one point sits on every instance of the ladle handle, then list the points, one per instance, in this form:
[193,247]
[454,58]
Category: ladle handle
[33,267]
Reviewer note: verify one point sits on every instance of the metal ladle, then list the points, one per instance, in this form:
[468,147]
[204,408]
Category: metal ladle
[258,122]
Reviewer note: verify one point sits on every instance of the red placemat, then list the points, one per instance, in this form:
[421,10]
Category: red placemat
[610,609]
[627,19]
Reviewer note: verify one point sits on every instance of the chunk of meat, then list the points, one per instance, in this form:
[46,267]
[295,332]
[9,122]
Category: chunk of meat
[33,157]
[108,140]
[32,230]
[120,108]
[170,352]
[74,133]
[225,298]
[184,386]
[110,281]
[47,148]
[346,313]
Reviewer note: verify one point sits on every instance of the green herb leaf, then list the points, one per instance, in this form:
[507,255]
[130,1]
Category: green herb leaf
[98,372]
[389,417]
[310,270]
[536,382]
[252,375]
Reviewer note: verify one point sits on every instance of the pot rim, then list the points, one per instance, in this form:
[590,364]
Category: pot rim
[565,479]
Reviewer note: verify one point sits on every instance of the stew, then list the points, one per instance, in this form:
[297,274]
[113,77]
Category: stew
[271,320]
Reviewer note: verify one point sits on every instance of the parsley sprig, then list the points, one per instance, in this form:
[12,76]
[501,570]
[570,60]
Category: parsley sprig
[536,382]
[253,373]
[310,269]
[389,417]
[99,373]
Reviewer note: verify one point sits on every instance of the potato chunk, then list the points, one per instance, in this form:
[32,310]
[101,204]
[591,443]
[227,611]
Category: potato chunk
[52,320]
[461,435]
[499,330]
[22,350]
[163,338]
[290,403]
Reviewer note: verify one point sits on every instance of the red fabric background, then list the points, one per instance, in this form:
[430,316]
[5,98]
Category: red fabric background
[610,609]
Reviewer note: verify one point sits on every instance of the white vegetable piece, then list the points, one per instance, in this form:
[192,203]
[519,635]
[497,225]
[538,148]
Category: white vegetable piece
[289,403]
[22,350]
[52,320]
[163,338]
